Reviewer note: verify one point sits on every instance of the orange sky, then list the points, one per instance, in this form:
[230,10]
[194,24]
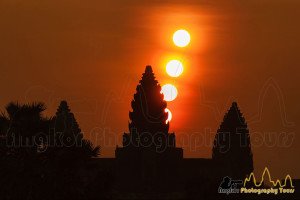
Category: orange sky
[92,53]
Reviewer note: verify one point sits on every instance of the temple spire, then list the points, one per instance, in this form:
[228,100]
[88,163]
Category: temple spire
[148,106]
[64,122]
[232,148]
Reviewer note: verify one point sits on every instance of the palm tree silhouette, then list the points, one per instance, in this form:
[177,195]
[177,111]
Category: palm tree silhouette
[21,160]
[32,166]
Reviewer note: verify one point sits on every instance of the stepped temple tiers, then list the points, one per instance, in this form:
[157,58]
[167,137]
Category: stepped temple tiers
[150,161]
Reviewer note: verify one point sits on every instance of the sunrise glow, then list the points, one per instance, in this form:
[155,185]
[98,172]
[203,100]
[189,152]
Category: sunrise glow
[181,38]
[174,68]
[169,91]
[169,115]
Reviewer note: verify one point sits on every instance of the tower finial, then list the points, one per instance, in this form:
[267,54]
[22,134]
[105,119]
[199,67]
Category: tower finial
[148,69]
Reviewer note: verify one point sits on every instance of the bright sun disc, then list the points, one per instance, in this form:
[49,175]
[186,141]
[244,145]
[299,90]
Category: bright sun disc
[169,91]
[181,38]
[169,115]
[174,68]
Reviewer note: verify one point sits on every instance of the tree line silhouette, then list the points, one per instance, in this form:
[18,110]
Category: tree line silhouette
[44,157]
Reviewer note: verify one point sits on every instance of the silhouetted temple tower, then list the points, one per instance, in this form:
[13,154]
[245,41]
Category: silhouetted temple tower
[148,116]
[148,153]
[65,124]
[148,106]
[232,147]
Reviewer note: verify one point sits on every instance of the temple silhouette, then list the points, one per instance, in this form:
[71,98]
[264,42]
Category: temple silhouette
[47,158]
[149,155]
[149,160]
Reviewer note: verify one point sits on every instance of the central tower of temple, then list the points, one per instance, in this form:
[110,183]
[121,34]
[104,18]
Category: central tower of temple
[148,106]
[149,154]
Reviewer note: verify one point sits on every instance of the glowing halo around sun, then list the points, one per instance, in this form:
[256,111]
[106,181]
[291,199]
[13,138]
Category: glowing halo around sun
[174,68]
[181,38]
[169,91]
[169,115]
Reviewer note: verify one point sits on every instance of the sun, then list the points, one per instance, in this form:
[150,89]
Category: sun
[174,68]
[181,38]
[169,115]
[169,91]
